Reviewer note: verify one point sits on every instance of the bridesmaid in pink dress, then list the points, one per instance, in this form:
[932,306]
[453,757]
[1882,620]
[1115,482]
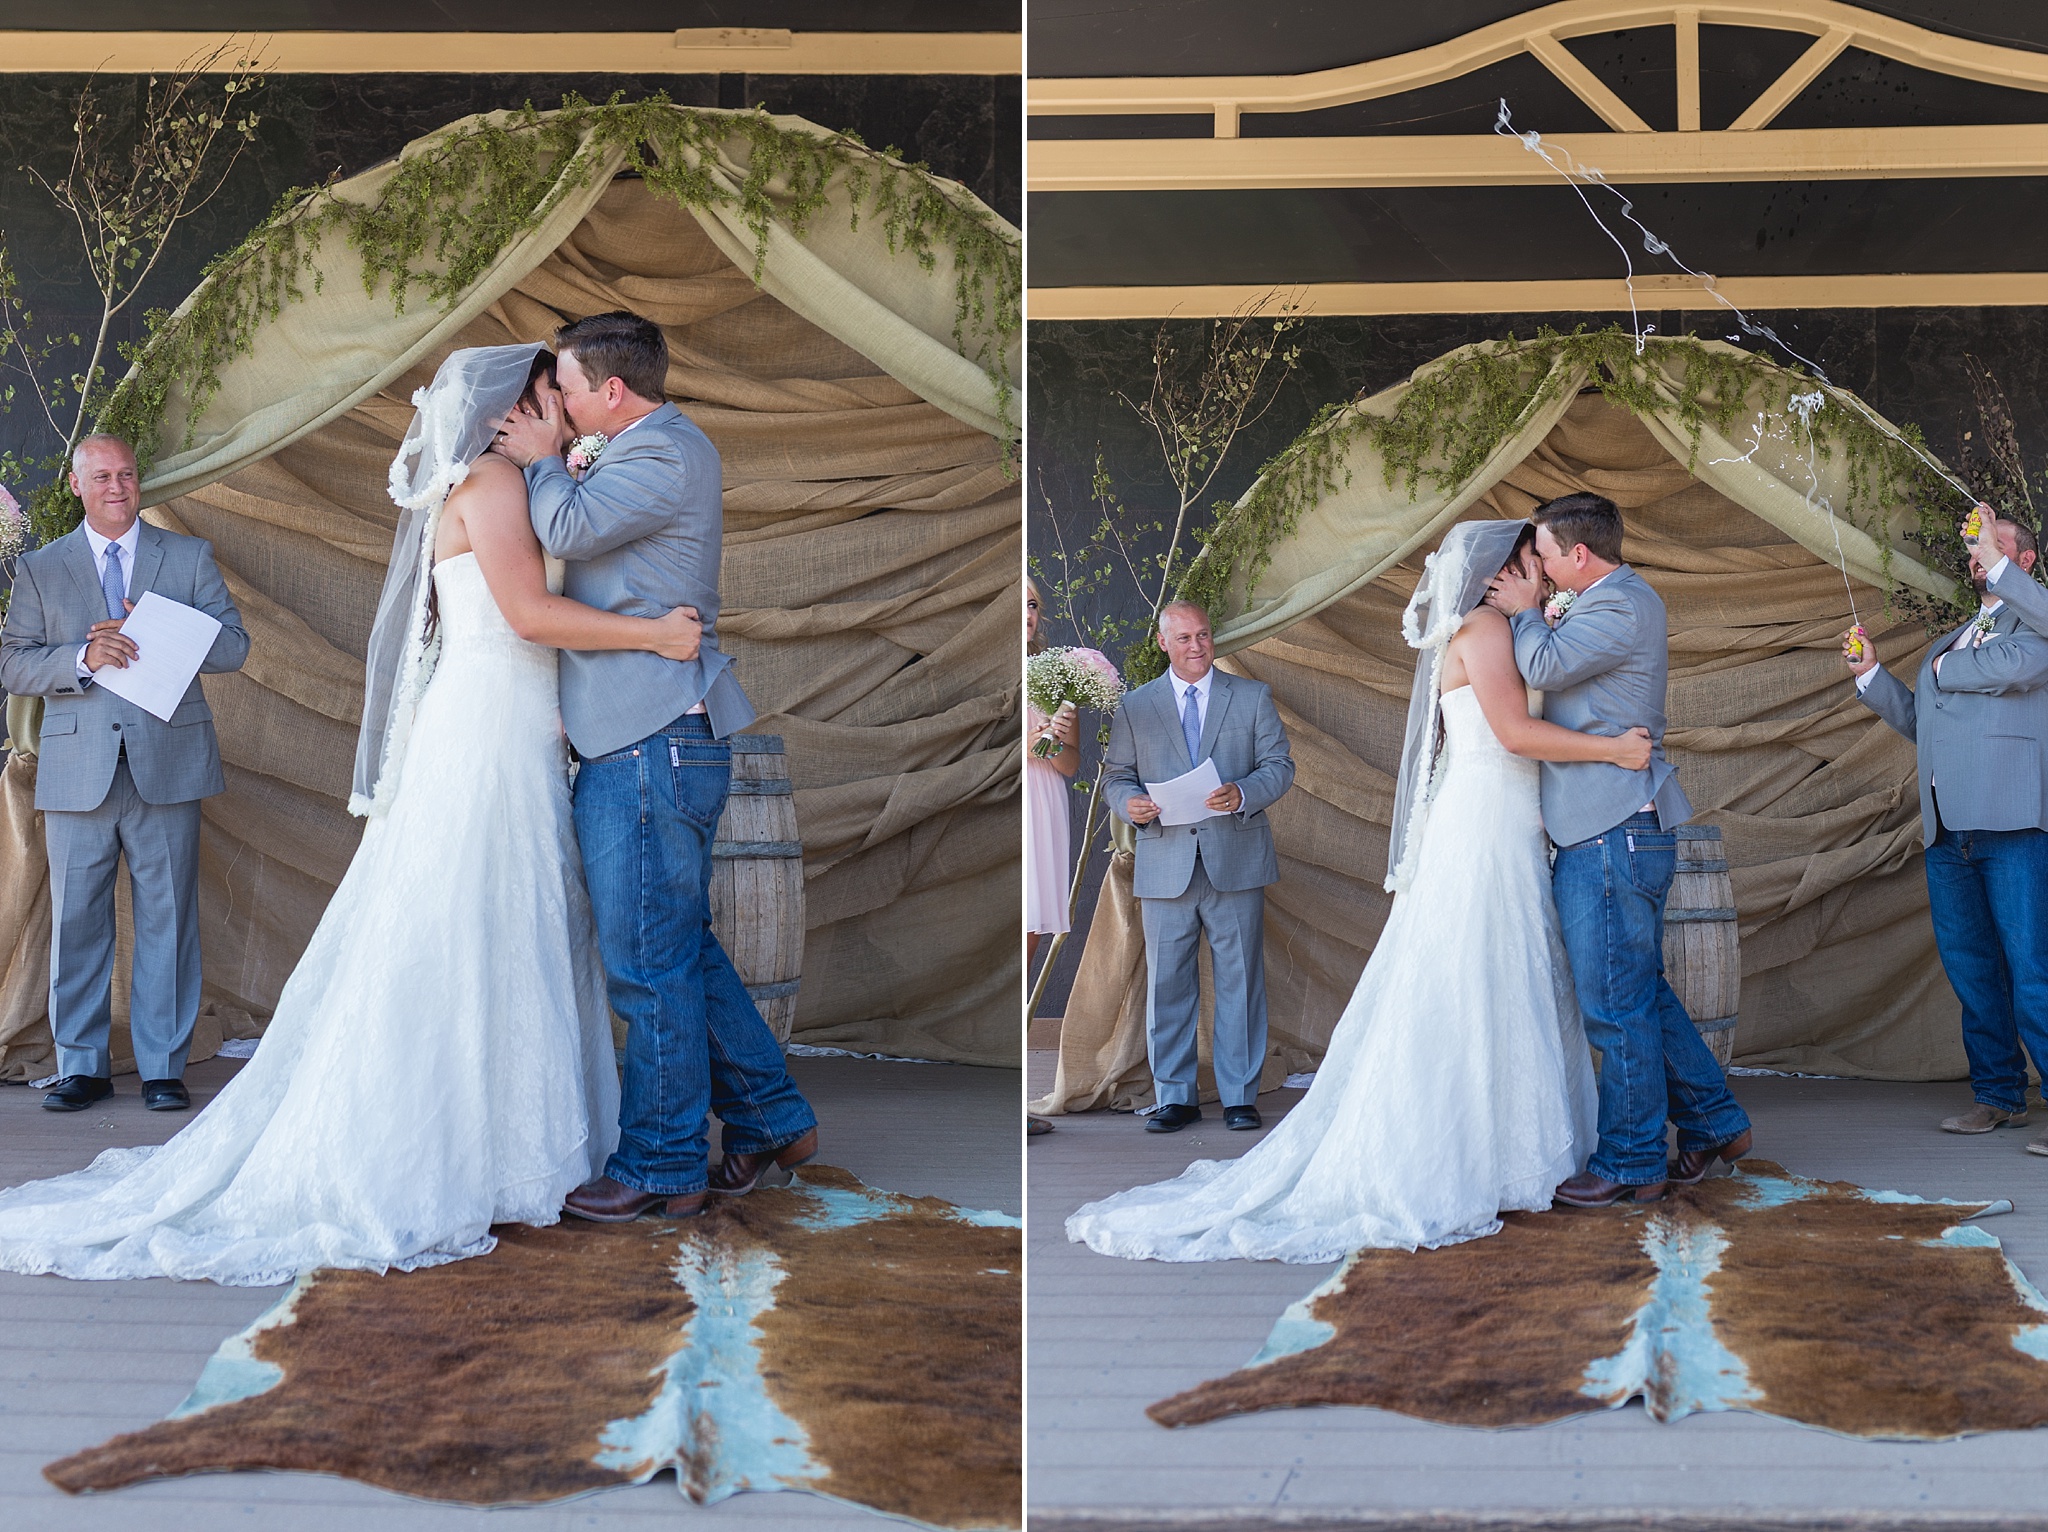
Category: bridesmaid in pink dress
[1048,840]
[1047,836]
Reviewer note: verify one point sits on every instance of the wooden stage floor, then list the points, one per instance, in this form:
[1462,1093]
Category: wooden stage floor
[1108,1337]
[81,1361]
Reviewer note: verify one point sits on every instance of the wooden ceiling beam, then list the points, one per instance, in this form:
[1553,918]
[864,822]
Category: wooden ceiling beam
[1782,154]
[1597,296]
[699,50]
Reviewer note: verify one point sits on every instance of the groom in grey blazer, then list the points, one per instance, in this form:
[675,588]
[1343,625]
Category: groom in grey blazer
[1204,878]
[642,533]
[1978,718]
[114,780]
[1602,670]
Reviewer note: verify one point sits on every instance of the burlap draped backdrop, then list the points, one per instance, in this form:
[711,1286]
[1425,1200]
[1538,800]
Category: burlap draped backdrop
[1814,796]
[869,582]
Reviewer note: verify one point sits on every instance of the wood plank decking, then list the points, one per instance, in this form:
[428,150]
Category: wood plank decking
[1108,1337]
[81,1361]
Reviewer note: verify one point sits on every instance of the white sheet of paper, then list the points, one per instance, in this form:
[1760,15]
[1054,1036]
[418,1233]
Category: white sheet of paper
[1184,800]
[171,640]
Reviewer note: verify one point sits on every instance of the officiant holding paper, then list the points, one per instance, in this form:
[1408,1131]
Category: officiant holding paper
[115,778]
[1206,877]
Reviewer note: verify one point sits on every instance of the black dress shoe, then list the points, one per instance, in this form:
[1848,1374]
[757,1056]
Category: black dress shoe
[74,1093]
[1240,1118]
[1171,1119]
[165,1095]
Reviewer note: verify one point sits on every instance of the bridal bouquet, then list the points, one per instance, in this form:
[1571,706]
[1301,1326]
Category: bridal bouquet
[1084,677]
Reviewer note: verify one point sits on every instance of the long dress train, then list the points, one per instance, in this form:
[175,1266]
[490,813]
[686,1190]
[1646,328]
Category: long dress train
[1457,1085]
[441,1058]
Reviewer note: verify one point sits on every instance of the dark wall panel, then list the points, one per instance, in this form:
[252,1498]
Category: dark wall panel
[966,127]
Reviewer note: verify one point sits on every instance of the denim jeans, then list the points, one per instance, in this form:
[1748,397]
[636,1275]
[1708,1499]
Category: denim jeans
[1653,1066]
[1988,893]
[695,1044]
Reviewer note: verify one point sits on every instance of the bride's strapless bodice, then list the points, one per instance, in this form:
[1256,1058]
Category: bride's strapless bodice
[469,613]
[1470,743]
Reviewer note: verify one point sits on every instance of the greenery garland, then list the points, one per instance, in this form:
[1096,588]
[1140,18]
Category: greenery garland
[1457,413]
[450,208]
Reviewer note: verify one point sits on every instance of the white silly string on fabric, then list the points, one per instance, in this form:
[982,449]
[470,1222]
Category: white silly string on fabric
[1579,175]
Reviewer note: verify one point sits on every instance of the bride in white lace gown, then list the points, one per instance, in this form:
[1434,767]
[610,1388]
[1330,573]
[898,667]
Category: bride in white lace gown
[1457,1085]
[441,1058]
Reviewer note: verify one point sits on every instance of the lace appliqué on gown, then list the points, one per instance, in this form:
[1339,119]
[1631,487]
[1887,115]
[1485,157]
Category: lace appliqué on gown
[1457,1085]
[441,1058]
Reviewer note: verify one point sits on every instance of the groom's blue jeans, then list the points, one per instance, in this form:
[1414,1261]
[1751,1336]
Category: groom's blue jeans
[1610,898]
[695,1044]
[1988,893]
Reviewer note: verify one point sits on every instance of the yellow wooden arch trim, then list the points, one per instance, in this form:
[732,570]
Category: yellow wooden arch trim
[1541,33]
[697,50]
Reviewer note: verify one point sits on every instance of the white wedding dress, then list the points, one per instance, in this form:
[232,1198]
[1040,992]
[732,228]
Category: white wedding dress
[441,1058]
[1457,1085]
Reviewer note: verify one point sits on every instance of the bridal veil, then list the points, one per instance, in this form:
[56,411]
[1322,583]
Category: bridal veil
[454,422]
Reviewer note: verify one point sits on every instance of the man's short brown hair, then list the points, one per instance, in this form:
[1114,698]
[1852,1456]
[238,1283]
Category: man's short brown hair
[619,345]
[1583,518]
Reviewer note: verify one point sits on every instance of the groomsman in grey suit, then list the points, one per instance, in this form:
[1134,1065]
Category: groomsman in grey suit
[114,780]
[1978,718]
[1205,878]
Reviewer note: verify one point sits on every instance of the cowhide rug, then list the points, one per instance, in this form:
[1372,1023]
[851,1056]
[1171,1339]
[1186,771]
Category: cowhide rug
[1868,1313]
[824,1336]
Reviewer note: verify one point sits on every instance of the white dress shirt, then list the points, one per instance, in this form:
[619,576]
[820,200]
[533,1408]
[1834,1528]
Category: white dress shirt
[127,542]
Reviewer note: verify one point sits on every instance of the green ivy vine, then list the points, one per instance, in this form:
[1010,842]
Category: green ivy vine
[1457,412]
[452,206]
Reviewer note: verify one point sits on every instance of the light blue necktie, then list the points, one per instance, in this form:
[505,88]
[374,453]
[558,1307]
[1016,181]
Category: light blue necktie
[1191,728]
[112,585]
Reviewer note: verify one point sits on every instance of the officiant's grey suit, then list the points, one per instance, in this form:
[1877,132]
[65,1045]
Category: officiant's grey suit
[1980,733]
[113,779]
[1208,877]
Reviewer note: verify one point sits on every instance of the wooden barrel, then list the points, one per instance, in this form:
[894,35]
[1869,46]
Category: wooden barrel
[757,880]
[1702,952]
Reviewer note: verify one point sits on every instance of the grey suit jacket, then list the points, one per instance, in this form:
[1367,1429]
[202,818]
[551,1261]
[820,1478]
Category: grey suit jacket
[642,534]
[1980,729]
[1241,732]
[1602,670]
[56,601]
